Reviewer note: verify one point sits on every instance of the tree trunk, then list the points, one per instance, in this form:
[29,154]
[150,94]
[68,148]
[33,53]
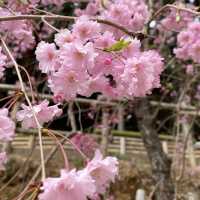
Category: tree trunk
[160,163]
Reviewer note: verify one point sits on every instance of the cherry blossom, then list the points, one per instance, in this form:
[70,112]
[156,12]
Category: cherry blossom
[85,143]
[176,20]
[85,29]
[63,37]
[43,112]
[189,43]
[7,126]
[76,185]
[47,55]
[103,171]
[131,14]
[19,33]
[85,66]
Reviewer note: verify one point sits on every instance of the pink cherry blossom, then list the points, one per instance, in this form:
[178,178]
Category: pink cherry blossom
[131,14]
[46,54]
[190,69]
[85,65]
[91,9]
[103,171]
[72,185]
[85,29]
[189,43]
[177,20]
[19,33]
[142,73]
[21,6]
[43,112]
[63,37]
[85,143]
[7,126]
[78,56]
[67,83]
[3,160]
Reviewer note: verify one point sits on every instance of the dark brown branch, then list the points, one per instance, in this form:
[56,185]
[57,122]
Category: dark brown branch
[160,163]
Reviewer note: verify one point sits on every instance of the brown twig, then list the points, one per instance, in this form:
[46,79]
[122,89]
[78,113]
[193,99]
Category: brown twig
[71,18]
[168,6]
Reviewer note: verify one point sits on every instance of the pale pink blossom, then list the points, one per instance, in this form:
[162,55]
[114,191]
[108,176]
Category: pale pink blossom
[142,73]
[103,171]
[67,83]
[22,6]
[86,143]
[190,69]
[63,37]
[19,33]
[107,39]
[43,112]
[7,126]
[72,185]
[189,43]
[131,14]
[78,56]
[46,54]
[177,21]
[91,9]
[85,29]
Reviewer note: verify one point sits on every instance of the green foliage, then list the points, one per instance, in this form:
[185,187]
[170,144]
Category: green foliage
[118,46]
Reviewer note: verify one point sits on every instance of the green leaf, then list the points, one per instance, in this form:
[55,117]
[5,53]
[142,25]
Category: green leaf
[178,17]
[118,46]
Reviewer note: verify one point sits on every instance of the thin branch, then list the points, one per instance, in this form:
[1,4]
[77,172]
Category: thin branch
[29,104]
[71,18]
[168,6]
[48,24]
[37,17]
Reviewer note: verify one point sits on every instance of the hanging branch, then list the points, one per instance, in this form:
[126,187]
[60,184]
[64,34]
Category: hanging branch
[29,104]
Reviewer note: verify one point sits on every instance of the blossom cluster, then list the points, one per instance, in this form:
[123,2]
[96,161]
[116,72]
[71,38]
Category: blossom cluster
[87,59]
[42,111]
[131,14]
[19,33]
[7,132]
[7,126]
[176,20]
[189,43]
[85,143]
[89,182]
[26,6]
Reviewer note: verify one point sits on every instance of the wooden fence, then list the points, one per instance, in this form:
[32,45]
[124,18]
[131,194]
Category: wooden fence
[117,145]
